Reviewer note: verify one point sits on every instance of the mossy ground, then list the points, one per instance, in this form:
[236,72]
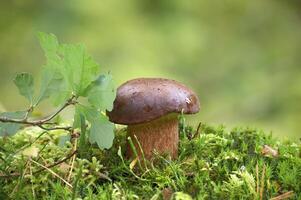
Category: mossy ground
[215,164]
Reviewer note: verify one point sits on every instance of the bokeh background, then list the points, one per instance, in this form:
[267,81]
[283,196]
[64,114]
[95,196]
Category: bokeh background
[242,57]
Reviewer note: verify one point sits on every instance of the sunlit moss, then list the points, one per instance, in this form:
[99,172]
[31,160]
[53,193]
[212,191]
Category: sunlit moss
[216,164]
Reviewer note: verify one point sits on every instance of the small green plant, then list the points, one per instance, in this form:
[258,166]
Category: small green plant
[70,77]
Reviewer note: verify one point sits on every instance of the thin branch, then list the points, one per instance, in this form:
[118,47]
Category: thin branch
[67,128]
[29,110]
[70,101]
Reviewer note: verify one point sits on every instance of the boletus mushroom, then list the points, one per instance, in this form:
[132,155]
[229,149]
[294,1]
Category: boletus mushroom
[150,107]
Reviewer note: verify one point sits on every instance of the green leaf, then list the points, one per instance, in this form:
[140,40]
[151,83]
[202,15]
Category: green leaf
[50,45]
[102,93]
[101,130]
[81,69]
[9,129]
[52,85]
[71,61]
[55,74]
[24,82]
[48,42]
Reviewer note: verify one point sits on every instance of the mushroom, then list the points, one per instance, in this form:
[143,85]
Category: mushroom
[150,107]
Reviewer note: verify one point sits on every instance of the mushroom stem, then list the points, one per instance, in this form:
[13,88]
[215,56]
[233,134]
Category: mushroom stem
[159,134]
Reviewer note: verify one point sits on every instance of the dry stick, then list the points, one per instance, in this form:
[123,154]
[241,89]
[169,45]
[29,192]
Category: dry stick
[284,196]
[262,182]
[52,172]
[73,159]
[40,170]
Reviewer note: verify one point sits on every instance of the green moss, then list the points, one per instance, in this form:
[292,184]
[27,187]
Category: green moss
[217,164]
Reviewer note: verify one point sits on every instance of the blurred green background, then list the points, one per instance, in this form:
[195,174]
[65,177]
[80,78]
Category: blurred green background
[242,57]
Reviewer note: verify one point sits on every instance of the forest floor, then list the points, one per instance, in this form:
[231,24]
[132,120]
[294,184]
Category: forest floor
[213,163]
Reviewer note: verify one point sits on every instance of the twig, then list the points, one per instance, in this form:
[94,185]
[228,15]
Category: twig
[70,101]
[284,196]
[40,170]
[67,128]
[29,110]
[52,172]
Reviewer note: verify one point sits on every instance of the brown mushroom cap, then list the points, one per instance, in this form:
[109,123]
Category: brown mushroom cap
[145,99]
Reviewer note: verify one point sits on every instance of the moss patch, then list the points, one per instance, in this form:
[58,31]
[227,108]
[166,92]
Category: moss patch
[215,164]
